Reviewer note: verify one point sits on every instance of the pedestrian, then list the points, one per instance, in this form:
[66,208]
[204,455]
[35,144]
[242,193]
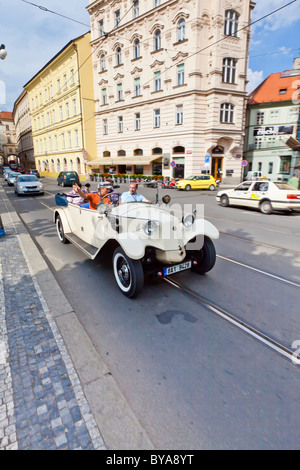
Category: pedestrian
[294,181]
[132,195]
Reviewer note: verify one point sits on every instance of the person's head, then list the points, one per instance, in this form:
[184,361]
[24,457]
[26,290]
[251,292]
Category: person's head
[133,188]
[104,190]
[87,185]
[76,183]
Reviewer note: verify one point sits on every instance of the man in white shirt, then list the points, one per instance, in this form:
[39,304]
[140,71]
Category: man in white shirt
[132,195]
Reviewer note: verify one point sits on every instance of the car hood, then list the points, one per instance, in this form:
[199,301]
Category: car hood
[142,211]
[29,184]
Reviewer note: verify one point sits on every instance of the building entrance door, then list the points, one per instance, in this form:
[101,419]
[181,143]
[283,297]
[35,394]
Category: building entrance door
[217,167]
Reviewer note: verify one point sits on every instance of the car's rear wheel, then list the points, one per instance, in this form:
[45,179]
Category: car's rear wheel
[224,201]
[206,257]
[128,273]
[266,207]
[60,231]
[211,188]
[188,187]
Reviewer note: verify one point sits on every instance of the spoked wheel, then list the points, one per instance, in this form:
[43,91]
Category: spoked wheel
[128,273]
[60,231]
[206,257]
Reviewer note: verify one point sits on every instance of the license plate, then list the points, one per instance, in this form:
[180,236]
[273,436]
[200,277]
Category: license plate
[177,268]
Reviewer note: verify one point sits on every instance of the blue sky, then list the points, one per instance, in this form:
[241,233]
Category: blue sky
[32,37]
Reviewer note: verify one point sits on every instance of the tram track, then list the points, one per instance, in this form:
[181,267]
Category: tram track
[241,324]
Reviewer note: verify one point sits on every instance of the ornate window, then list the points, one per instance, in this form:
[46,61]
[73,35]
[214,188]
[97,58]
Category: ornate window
[119,56]
[229,70]
[231,23]
[181,30]
[136,49]
[227,113]
[157,40]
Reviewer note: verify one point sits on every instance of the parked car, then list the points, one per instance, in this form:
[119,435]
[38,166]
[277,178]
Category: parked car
[28,184]
[197,182]
[146,239]
[67,178]
[264,195]
[11,178]
[34,172]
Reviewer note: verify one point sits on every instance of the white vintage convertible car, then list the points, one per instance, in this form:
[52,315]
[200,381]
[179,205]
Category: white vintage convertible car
[147,239]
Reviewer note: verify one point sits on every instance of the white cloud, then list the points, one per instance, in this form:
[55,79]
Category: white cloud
[255,78]
[283,18]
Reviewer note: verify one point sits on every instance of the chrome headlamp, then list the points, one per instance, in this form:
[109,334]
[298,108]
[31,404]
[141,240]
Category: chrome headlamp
[150,227]
[188,220]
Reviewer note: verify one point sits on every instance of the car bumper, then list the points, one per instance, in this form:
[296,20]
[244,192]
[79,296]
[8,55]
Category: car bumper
[30,191]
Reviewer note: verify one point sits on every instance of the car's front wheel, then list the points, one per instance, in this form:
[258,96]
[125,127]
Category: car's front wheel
[266,207]
[211,188]
[60,231]
[128,273]
[206,257]
[188,187]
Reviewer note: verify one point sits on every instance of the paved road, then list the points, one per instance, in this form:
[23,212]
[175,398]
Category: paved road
[190,379]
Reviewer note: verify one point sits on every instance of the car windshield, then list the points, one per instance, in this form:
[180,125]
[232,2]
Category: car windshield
[27,179]
[70,173]
[285,186]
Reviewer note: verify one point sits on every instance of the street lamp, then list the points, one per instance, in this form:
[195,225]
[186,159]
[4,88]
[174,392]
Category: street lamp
[3,52]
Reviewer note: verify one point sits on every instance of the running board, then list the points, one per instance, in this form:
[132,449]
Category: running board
[90,250]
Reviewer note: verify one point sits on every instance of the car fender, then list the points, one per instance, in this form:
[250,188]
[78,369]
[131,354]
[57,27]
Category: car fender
[201,227]
[133,246]
[64,219]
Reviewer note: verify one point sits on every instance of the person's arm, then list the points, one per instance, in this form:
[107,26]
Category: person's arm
[83,195]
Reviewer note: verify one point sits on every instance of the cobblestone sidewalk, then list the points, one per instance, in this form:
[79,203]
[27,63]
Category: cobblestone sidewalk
[42,405]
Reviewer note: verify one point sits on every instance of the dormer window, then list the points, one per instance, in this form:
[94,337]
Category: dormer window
[282,91]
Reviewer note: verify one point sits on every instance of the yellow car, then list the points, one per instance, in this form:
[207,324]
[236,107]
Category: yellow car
[197,182]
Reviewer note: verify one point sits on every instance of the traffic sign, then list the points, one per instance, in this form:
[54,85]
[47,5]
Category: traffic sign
[244,163]
[207,158]
[173,164]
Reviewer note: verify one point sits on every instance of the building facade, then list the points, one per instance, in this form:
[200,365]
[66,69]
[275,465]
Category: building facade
[61,100]
[170,85]
[22,121]
[8,139]
[272,129]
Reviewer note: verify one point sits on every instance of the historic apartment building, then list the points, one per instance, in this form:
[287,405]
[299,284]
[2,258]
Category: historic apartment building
[272,129]
[61,100]
[8,140]
[170,85]
[22,121]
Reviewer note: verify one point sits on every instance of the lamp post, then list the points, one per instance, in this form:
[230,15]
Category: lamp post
[3,52]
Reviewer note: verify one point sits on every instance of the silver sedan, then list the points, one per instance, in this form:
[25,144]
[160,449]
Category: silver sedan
[28,184]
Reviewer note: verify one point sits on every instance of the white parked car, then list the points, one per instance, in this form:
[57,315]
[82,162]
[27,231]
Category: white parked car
[145,239]
[264,195]
[28,184]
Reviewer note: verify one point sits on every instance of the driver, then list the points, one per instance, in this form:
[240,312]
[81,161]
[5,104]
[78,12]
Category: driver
[132,195]
[94,198]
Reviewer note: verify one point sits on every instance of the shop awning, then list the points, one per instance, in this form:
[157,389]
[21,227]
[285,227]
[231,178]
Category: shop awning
[113,161]
[293,143]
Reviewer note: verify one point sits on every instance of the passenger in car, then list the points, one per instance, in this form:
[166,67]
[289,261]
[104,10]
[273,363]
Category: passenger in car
[73,197]
[132,195]
[93,199]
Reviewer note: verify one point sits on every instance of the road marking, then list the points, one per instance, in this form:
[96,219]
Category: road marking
[43,204]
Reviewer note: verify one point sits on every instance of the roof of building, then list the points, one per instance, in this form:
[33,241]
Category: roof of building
[6,115]
[281,86]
